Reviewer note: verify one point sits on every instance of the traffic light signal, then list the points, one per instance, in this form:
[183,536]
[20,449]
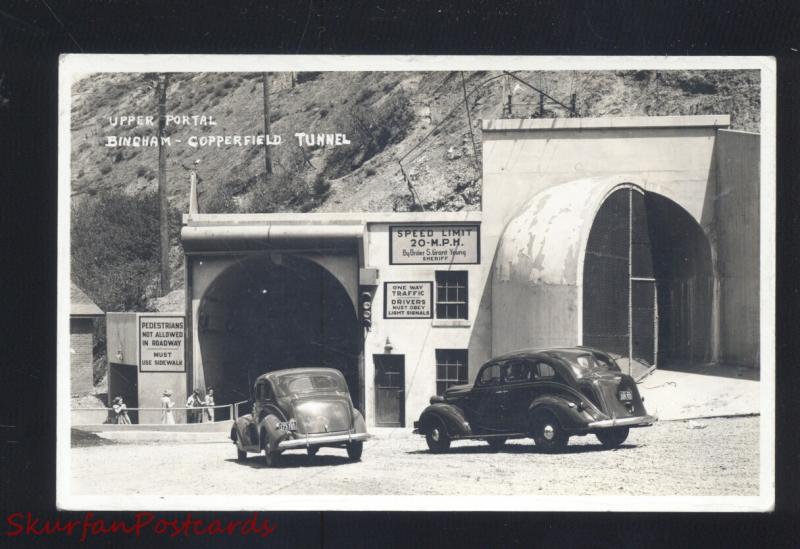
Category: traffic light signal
[365,300]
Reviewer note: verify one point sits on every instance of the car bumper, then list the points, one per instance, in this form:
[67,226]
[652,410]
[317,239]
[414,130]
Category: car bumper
[638,421]
[304,441]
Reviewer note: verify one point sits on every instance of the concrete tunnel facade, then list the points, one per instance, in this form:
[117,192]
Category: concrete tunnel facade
[577,268]
[648,221]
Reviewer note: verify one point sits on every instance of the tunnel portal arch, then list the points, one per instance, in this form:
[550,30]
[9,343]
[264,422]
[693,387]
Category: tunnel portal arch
[647,280]
[272,311]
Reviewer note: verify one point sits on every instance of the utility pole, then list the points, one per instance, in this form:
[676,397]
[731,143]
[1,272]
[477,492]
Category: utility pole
[161,93]
[541,105]
[267,153]
[572,106]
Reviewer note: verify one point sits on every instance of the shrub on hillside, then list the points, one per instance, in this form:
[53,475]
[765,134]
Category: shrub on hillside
[280,192]
[116,247]
[221,199]
[371,129]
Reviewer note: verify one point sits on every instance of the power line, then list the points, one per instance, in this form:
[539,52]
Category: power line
[446,117]
[469,122]
[550,97]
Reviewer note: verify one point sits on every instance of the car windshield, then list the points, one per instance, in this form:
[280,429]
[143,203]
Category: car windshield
[587,363]
[305,383]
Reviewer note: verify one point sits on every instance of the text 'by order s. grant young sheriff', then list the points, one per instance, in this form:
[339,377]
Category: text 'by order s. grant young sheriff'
[210,140]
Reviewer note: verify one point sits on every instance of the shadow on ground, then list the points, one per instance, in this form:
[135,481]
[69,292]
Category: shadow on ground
[527,449]
[82,439]
[293,461]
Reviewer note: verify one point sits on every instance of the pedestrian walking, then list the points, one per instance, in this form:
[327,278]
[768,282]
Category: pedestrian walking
[209,402]
[167,417]
[195,400]
[120,411]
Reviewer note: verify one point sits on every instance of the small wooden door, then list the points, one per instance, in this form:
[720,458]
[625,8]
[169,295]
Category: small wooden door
[390,395]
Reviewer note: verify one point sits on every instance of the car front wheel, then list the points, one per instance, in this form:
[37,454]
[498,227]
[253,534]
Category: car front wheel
[241,455]
[612,438]
[270,456]
[437,438]
[312,451]
[547,433]
[354,450]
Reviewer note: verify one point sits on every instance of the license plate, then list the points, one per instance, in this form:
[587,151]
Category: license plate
[626,396]
[290,425]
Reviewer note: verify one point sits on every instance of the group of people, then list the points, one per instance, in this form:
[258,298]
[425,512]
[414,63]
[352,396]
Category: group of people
[201,408]
[204,405]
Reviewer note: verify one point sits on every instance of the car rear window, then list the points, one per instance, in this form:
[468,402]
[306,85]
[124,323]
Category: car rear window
[310,383]
[584,363]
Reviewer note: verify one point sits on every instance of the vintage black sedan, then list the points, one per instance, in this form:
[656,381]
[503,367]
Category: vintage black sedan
[545,394]
[300,408]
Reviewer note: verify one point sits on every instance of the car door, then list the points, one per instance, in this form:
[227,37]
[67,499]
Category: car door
[519,382]
[488,399]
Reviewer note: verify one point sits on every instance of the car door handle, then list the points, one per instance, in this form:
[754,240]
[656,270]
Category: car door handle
[501,392]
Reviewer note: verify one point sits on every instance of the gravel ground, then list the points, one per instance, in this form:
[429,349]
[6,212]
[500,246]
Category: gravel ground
[704,457]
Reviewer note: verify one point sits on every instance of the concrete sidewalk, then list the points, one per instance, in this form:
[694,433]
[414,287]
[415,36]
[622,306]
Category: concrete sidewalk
[674,395]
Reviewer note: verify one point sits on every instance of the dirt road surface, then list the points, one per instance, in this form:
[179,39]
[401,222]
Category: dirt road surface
[704,457]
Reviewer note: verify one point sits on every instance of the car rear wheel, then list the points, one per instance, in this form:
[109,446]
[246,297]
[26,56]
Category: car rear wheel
[437,438]
[495,443]
[241,455]
[312,451]
[612,438]
[355,449]
[547,432]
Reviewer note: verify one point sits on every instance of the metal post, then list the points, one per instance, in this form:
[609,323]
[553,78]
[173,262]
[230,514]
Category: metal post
[267,153]
[162,182]
[630,282]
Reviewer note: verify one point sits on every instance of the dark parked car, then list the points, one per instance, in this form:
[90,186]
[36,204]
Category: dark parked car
[301,408]
[545,394]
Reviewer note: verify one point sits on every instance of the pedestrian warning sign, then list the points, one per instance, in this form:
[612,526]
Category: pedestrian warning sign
[161,344]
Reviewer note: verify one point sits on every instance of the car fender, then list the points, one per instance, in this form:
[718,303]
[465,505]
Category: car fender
[452,416]
[565,411]
[274,435]
[239,429]
[359,425]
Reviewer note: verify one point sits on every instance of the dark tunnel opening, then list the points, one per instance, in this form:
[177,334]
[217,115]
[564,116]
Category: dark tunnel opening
[647,281]
[271,312]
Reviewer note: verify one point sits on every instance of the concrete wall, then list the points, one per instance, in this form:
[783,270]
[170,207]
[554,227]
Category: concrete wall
[545,315]
[736,234]
[417,339]
[122,334]
[122,337]
[81,344]
[670,156]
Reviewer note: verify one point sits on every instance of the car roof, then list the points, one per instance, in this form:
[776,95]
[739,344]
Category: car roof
[306,370]
[521,353]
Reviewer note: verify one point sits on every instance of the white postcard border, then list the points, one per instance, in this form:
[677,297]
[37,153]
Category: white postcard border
[72,66]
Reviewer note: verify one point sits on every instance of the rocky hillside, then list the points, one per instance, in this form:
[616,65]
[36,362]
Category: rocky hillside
[415,116]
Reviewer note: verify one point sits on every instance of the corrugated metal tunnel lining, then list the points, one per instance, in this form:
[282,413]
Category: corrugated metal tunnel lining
[647,280]
[274,311]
